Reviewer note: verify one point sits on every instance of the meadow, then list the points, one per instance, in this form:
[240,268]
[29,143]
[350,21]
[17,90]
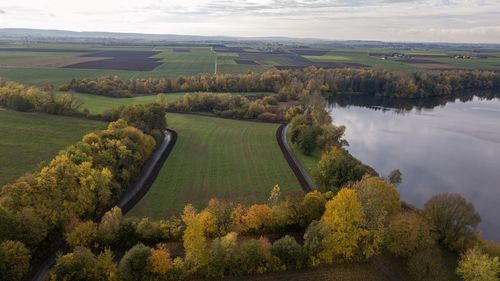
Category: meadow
[234,160]
[31,138]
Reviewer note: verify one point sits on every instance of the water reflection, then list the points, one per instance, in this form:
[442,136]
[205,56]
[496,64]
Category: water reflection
[439,145]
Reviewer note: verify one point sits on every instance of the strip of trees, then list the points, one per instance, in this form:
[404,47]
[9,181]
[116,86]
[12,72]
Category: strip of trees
[351,225]
[290,85]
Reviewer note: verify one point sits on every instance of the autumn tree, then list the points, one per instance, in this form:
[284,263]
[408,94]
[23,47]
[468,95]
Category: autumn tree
[344,216]
[408,233]
[474,265]
[312,207]
[109,227]
[83,235]
[315,241]
[222,256]
[259,218]
[453,219]
[82,264]
[14,260]
[427,265]
[194,239]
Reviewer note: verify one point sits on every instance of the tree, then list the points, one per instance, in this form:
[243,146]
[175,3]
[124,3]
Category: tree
[474,265]
[380,202]
[289,252]
[83,265]
[83,235]
[307,139]
[315,241]
[275,195]
[254,256]
[109,227]
[14,260]
[222,256]
[159,261]
[337,168]
[259,218]
[453,219]
[427,265]
[312,207]
[408,233]
[344,216]
[134,264]
[194,239]
[395,177]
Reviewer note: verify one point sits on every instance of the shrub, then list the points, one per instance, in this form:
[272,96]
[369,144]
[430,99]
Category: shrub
[427,265]
[474,265]
[289,252]
[254,256]
[222,257]
[82,264]
[83,235]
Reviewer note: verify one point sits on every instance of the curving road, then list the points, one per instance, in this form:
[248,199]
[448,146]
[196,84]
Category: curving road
[298,169]
[133,195]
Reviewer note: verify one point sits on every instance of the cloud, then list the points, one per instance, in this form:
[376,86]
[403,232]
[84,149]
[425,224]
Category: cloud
[2,12]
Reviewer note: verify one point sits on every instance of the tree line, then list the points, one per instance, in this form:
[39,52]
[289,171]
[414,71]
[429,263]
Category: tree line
[351,225]
[290,85]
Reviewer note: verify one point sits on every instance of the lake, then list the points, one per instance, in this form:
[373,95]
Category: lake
[439,146]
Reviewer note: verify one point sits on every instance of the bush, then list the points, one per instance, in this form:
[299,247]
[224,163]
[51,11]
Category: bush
[474,265]
[427,265]
[254,256]
[82,264]
[222,257]
[289,252]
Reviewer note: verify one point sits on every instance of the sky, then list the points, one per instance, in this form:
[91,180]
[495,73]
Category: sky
[473,21]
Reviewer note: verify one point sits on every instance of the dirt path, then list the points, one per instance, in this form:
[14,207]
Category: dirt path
[133,195]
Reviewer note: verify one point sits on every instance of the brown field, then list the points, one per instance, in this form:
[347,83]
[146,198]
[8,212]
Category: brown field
[50,62]
[120,60]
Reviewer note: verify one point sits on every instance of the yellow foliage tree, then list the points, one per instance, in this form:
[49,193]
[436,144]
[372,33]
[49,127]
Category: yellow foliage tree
[194,239]
[344,217]
[159,260]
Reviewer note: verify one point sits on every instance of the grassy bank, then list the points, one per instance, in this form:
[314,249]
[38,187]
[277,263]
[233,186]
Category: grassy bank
[30,138]
[228,159]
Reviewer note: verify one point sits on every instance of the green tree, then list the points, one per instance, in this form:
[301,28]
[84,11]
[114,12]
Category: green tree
[109,227]
[14,260]
[337,168]
[289,252]
[315,241]
[222,256]
[134,264]
[453,219]
[474,265]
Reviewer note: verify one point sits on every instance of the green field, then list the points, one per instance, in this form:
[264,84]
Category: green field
[30,138]
[214,157]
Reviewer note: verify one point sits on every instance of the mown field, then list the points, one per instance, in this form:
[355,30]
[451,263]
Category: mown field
[30,138]
[214,157]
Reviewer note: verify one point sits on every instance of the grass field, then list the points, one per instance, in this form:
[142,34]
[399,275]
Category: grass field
[30,138]
[214,157]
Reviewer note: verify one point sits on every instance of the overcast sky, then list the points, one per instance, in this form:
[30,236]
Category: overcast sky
[388,20]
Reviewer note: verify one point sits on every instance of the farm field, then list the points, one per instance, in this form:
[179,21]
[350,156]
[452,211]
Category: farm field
[30,138]
[217,158]
[55,64]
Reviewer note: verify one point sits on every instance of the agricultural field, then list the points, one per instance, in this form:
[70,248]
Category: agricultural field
[30,138]
[217,158]
[55,64]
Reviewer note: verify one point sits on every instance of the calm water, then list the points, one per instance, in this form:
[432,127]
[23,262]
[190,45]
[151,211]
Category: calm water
[453,147]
